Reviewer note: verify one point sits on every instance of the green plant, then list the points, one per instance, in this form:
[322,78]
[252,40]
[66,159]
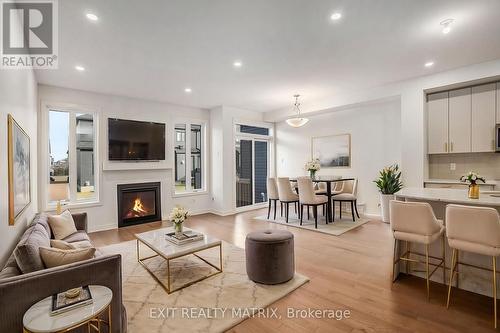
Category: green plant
[389,181]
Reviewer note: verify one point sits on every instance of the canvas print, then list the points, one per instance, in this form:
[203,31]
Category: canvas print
[333,151]
[19,169]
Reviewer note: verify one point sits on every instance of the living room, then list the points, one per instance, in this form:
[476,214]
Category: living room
[181,167]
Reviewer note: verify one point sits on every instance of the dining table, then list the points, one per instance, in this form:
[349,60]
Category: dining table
[328,181]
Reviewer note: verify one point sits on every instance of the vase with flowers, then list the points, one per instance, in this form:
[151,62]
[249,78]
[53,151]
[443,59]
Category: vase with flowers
[473,178]
[178,216]
[312,167]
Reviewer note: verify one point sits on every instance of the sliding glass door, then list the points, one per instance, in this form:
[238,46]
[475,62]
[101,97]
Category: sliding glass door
[252,169]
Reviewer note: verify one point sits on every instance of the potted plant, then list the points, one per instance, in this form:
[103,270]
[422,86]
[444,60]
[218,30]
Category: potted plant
[312,166]
[178,216]
[472,178]
[388,183]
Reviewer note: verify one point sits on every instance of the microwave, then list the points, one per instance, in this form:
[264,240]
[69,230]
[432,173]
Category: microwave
[497,138]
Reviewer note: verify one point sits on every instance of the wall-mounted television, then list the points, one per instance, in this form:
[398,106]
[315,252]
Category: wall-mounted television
[131,140]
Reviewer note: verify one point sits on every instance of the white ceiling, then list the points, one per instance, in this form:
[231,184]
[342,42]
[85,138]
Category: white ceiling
[154,49]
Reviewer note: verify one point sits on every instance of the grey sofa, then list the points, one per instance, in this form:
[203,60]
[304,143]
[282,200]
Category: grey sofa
[23,285]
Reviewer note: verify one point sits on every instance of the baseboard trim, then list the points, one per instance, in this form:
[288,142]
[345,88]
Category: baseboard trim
[103,227]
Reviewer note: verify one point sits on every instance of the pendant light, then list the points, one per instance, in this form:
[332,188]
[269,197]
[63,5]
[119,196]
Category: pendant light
[297,121]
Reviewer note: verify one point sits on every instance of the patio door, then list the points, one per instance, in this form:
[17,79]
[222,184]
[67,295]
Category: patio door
[252,170]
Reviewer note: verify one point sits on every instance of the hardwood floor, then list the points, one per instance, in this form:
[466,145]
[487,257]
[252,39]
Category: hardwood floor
[349,272]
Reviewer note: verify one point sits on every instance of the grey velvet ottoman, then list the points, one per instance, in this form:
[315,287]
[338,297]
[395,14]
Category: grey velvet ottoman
[270,256]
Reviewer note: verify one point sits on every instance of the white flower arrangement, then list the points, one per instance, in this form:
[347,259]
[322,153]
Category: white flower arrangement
[312,165]
[178,215]
[472,178]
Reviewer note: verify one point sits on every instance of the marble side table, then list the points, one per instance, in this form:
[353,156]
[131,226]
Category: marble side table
[38,319]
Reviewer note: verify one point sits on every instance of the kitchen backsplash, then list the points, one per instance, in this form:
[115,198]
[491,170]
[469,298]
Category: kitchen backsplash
[486,164]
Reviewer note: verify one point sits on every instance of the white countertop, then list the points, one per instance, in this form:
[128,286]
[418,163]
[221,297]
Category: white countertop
[447,195]
[456,181]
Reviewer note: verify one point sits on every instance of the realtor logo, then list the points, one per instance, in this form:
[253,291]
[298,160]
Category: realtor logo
[29,34]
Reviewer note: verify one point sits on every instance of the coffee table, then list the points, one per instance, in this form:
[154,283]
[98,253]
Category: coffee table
[156,241]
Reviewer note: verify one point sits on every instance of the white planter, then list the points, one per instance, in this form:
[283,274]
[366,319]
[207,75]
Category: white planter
[384,204]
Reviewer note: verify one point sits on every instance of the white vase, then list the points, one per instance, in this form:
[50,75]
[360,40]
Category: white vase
[384,204]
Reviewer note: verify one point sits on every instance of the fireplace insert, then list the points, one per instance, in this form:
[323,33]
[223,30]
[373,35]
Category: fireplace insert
[138,203]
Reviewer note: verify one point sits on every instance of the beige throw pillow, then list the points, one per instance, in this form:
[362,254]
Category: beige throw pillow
[53,257]
[62,225]
[60,244]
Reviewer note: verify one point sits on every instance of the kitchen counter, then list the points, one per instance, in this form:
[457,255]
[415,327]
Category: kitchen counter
[450,195]
[457,182]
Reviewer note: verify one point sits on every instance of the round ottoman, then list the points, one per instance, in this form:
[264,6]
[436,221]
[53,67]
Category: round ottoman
[269,256]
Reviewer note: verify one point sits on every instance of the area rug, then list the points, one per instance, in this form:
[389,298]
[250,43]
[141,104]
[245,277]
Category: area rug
[336,228]
[211,305]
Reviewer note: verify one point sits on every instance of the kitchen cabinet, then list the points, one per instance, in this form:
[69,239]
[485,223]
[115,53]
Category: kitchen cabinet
[437,123]
[460,113]
[483,118]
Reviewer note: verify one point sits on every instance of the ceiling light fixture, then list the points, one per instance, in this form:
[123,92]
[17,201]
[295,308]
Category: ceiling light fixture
[79,68]
[188,90]
[429,64]
[237,64]
[336,16]
[92,17]
[297,121]
[446,24]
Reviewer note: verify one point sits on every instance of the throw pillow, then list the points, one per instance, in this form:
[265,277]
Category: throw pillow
[62,245]
[53,257]
[27,253]
[62,225]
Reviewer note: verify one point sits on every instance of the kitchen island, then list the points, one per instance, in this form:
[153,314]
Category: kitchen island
[471,279]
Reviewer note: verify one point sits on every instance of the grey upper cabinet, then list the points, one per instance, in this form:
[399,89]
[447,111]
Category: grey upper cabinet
[483,117]
[437,123]
[460,115]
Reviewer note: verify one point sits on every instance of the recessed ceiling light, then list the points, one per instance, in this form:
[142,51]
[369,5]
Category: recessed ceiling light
[188,90]
[79,68]
[237,63]
[446,24]
[429,64]
[92,17]
[336,16]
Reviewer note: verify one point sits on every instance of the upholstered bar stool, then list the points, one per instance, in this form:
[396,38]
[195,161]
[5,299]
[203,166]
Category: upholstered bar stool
[286,195]
[272,195]
[307,197]
[475,230]
[415,222]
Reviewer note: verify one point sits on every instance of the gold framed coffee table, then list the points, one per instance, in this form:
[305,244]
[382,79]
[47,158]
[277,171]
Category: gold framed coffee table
[156,241]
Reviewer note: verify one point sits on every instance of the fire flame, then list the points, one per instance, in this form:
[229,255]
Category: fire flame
[138,206]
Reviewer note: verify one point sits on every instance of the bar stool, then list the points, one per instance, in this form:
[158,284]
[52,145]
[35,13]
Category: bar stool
[415,222]
[476,230]
[307,197]
[286,195]
[272,195]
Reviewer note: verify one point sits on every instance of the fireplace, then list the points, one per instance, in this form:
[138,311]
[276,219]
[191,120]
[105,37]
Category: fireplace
[138,203]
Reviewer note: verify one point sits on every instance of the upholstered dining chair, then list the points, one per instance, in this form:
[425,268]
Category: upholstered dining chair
[272,195]
[307,198]
[286,195]
[474,230]
[415,222]
[347,193]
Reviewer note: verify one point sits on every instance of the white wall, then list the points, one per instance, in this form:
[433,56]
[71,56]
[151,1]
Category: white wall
[18,93]
[375,143]
[411,93]
[105,216]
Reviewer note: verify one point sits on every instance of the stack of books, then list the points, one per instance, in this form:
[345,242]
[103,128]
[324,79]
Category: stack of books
[184,238]
[61,302]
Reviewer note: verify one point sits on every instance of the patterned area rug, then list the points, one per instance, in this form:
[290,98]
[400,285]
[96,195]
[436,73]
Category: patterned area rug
[212,305]
[336,228]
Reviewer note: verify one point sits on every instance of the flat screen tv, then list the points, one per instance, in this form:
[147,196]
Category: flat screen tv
[131,140]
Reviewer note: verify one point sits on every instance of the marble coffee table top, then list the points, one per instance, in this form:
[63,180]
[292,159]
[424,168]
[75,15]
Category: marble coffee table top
[38,319]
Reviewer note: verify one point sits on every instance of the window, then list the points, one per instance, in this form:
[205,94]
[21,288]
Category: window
[72,154]
[189,157]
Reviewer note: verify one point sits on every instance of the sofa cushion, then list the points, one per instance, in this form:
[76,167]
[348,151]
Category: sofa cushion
[63,245]
[77,237]
[10,269]
[27,251]
[62,225]
[53,257]
[42,219]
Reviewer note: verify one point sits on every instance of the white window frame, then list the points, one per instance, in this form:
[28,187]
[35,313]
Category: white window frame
[204,152]
[44,182]
[270,156]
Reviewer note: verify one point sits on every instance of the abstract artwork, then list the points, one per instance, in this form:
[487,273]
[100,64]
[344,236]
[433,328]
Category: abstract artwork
[19,169]
[333,151]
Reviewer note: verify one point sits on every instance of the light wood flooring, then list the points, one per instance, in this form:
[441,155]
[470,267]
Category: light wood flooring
[351,272]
